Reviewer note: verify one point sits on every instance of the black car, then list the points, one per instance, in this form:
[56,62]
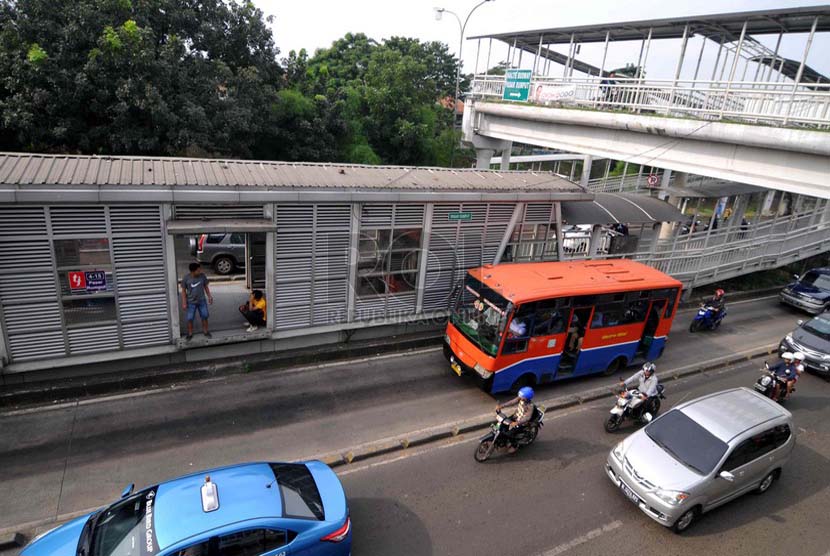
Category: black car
[809,293]
[812,338]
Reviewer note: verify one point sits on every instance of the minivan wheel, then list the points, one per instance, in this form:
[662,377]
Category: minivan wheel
[766,483]
[223,265]
[685,521]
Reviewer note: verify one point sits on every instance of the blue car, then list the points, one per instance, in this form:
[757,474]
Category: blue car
[809,293]
[254,509]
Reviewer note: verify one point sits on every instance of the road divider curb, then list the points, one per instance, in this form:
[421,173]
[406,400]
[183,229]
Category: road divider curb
[481,422]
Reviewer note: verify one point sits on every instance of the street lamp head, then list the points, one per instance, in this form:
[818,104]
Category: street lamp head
[438,13]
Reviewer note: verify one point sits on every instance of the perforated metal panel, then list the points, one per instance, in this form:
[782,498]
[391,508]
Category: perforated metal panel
[311,264]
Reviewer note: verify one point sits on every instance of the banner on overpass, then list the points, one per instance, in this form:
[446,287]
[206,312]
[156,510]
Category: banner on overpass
[547,94]
[516,85]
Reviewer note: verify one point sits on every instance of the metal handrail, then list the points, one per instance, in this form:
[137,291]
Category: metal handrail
[752,102]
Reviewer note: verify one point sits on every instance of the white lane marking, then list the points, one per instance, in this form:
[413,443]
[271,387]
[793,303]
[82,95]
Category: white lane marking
[190,384]
[589,536]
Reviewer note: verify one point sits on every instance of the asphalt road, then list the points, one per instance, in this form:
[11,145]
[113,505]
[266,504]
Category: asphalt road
[554,498]
[61,460]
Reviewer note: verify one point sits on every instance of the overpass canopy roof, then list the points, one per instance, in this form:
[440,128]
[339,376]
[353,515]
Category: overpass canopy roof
[626,208]
[726,26]
[22,169]
[790,67]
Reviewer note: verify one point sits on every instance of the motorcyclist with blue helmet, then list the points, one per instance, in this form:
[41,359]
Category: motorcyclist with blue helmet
[524,411]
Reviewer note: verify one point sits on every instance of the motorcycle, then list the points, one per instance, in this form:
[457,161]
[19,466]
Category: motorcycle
[766,384]
[500,435]
[707,318]
[643,413]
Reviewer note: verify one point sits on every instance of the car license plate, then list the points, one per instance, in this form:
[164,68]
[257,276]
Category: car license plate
[629,493]
[456,367]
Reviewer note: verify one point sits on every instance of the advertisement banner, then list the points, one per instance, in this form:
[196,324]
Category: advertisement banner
[548,94]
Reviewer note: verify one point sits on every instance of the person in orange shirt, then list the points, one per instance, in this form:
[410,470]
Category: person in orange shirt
[255,310]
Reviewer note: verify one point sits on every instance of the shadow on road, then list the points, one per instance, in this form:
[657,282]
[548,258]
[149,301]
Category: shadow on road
[403,531]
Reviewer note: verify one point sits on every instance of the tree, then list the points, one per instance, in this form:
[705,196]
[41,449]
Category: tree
[135,77]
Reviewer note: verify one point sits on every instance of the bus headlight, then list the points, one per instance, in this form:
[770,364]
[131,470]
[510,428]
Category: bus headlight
[484,373]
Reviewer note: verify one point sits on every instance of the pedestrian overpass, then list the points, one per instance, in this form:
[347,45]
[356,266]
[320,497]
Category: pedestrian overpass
[734,108]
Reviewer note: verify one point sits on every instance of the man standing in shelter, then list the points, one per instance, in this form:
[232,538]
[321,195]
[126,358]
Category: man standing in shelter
[196,296]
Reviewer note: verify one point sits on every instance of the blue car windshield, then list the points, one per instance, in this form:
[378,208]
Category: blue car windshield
[687,442]
[819,326]
[126,528]
[817,279]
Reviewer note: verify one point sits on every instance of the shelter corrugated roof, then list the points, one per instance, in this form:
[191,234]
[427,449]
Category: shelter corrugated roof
[40,169]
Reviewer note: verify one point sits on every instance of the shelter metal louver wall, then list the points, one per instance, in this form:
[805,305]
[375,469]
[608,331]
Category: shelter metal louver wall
[138,262]
[311,264]
[213,212]
[72,222]
[388,216]
[28,290]
[456,246]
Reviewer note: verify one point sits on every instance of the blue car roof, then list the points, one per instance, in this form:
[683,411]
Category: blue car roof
[243,495]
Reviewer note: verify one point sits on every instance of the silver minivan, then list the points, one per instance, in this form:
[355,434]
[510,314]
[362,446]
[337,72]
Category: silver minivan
[701,454]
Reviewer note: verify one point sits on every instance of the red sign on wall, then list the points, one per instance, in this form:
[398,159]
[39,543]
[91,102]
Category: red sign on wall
[77,280]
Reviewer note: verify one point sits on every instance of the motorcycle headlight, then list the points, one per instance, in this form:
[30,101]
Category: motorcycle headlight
[765,381]
[618,451]
[672,497]
[622,402]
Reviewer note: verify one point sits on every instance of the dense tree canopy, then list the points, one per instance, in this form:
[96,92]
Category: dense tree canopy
[202,77]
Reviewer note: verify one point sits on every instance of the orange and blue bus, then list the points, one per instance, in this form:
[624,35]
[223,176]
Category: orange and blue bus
[525,324]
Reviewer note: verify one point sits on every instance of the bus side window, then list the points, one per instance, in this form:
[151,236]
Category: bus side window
[518,332]
[550,318]
[635,308]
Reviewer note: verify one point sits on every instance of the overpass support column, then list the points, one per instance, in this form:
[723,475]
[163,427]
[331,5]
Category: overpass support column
[587,162]
[596,238]
[505,156]
[483,157]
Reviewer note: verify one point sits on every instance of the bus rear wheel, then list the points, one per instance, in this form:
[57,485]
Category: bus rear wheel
[614,367]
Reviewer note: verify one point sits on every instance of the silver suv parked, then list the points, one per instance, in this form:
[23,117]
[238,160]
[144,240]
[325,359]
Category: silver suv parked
[702,454]
[224,252]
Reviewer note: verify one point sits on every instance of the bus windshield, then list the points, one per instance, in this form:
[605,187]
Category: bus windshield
[480,314]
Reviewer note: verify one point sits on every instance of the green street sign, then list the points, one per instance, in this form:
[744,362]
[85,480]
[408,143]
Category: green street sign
[516,85]
[460,216]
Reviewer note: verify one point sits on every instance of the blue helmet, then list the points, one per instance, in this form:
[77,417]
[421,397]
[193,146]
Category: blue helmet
[526,392]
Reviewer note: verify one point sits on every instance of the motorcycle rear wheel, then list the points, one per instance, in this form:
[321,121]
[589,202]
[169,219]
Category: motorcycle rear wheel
[612,424]
[532,433]
[484,451]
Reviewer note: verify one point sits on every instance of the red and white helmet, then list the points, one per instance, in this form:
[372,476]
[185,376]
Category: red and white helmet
[719,292]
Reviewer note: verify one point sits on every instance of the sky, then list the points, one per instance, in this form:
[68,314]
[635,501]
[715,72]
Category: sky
[313,24]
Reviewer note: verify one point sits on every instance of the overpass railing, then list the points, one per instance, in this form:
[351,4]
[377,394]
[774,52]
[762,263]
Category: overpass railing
[707,256]
[744,101]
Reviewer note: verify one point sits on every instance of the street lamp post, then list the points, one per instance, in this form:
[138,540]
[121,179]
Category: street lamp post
[461,27]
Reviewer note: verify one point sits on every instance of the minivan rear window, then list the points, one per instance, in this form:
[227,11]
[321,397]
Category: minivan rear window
[300,497]
[687,442]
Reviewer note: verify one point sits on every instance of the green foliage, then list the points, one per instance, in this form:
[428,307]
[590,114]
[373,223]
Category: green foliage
[166,77]
[36,55]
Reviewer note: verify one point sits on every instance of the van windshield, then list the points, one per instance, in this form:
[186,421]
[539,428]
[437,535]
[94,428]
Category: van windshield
[480,314]
[687,442]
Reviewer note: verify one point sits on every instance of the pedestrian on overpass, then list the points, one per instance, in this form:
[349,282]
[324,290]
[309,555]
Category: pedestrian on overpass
[195,297]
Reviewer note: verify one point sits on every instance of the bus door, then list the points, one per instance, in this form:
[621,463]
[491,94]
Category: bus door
[655,311]
[577,325]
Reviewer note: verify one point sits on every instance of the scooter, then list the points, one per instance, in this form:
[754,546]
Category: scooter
[643,413]
[707,318]
[499,437]
[766,384]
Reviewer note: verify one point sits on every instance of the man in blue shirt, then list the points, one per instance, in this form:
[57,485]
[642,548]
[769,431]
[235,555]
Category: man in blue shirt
[196,296]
